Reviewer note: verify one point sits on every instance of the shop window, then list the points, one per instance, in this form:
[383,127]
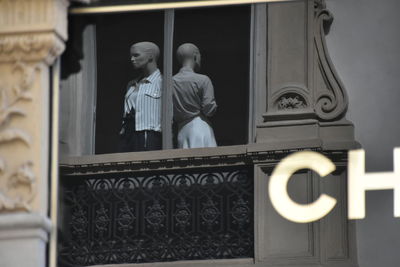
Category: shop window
[223,36]
[115,35]
[97,61]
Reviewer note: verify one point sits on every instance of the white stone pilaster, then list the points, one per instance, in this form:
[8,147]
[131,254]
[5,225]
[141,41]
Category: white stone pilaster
[32,36]
[23,238]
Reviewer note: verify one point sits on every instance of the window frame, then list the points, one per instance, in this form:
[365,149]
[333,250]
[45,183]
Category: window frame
[257,95]
[256,69]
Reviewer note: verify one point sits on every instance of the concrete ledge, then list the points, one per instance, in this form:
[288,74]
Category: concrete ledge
[23,221]
[23,238]
[196,263]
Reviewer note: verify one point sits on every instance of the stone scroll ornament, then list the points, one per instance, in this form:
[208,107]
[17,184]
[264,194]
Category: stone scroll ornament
[23,176]
[331,103]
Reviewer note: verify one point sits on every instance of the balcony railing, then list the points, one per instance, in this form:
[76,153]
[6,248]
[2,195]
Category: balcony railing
[114,215]
[163,206]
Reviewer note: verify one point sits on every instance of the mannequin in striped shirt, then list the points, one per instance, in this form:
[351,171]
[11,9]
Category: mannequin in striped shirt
[141,126]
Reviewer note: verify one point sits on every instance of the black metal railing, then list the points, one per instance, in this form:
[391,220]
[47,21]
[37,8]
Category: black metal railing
[136,217]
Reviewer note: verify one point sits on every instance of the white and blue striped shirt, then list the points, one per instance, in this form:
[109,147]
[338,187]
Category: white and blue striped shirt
[144,97]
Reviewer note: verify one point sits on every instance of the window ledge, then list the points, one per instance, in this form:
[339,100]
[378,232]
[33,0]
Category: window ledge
[195,263]
[185,158]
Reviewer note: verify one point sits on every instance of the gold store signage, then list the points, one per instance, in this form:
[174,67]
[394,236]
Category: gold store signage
[134,5]
[358,183]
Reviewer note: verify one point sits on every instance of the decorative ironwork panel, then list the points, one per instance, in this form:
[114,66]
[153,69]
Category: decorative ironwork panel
[154,217]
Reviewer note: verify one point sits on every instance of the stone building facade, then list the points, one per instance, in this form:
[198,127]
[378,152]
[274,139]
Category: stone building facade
[297,102]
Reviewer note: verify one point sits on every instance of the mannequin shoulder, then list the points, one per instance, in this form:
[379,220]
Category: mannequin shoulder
[192,77]
[205,79]
[130,83]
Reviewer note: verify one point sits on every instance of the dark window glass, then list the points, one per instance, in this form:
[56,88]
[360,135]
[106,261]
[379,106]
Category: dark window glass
[223,37]
[115,34]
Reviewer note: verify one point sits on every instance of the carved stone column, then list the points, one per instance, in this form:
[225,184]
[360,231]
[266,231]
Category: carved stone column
[32,35]
[304,108]
[306,102]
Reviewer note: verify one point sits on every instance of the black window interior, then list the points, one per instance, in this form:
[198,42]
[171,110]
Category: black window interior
[223,36]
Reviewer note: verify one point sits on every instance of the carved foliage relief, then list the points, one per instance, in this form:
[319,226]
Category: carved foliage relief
[31,47]
[291,98]
[17,184]
[32,32]
[291,101]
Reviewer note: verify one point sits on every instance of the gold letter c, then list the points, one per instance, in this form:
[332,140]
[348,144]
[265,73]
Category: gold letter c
[281,201]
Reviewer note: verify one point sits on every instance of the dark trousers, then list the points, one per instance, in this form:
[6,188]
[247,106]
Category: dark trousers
[131,140]
[135,141]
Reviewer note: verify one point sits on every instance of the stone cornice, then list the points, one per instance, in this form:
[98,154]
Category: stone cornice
[32,30]
[27,16]
[112,163]
[30,47]
[23,221]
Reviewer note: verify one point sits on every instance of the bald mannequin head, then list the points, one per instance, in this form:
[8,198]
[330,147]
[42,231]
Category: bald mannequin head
[144,56]
[189,56]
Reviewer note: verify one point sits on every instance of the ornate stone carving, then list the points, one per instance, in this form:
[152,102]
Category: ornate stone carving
[30,47]
[32,30]
[331,104]
[290,97]
[19,92]
[11,201]
[10,198]
[31,37]
[291,101]
[31,33]
[319,4]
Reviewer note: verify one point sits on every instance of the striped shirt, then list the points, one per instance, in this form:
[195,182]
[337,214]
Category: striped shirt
[144,97]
